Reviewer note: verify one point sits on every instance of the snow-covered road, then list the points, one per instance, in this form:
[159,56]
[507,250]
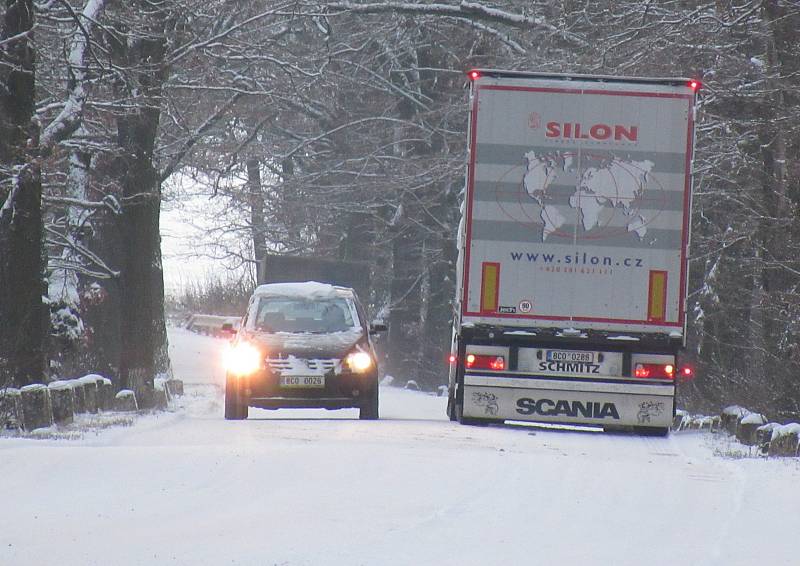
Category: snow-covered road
[319,488]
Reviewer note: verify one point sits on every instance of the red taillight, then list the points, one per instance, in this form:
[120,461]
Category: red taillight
[695,85]
[474,75]
[482,361]
[452,358]
[655,371]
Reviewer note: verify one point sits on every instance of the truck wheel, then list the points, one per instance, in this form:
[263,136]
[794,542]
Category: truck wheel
[369,410]
[235,410]
[651,430]
[451,406]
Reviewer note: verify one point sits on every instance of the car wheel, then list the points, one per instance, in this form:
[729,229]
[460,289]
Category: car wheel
[235,410]
[369,410]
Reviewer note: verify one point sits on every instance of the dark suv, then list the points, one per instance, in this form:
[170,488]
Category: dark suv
[302,345]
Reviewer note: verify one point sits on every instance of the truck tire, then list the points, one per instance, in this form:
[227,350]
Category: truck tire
[451,406]
[235,410]
[369,410]
[651,430]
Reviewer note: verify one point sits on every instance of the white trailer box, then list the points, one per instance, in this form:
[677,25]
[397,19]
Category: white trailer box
[575,232]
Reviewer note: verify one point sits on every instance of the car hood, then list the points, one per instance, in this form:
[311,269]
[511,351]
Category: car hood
[306,345]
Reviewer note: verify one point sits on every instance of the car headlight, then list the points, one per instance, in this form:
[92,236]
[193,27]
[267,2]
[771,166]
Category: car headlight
[243,359]
[359,362]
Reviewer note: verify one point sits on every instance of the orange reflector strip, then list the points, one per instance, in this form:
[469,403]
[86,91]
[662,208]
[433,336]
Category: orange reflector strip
[490,286]
[657,297]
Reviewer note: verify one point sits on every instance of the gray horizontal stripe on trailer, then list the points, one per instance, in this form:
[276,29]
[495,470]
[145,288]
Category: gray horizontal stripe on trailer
[554,384]
[608,220]
[496,231]
[501,154]
[489,173]
[515,193]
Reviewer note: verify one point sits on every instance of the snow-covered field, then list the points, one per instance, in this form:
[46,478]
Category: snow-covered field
[316,487]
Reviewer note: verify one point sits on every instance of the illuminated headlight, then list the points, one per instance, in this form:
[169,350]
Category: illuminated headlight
[359,362]
[243,359]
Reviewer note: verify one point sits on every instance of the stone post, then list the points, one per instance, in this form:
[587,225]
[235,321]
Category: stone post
[80,396]
[125,401]
[62,400]
[10,408]
[90,388]
[36,409]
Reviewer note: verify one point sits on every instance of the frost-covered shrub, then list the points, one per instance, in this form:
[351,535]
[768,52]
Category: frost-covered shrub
[65,322]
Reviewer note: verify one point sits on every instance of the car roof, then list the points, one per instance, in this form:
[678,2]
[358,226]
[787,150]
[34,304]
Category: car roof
[303,290]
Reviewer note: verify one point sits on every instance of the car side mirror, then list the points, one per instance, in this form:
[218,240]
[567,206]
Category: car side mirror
[228,330]
[377,327]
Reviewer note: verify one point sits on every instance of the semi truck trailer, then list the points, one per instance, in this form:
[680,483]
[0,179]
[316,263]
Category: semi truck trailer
[572,268]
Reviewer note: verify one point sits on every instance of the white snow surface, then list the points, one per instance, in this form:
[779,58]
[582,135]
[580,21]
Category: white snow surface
[310,487]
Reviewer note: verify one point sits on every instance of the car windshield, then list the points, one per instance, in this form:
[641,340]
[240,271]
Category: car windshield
[295,314]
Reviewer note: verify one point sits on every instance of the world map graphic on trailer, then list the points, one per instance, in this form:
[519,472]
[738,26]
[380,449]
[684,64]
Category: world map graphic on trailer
[599,185]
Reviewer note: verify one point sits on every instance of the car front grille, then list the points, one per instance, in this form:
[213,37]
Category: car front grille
[296,363]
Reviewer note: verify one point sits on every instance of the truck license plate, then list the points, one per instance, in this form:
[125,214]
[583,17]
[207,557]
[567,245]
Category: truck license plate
[302,381]
[570,356]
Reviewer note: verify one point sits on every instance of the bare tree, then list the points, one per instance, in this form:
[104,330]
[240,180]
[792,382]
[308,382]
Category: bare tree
[21,270]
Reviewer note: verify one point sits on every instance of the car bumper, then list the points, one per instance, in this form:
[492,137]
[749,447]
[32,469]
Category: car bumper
[303,403]
[340,391]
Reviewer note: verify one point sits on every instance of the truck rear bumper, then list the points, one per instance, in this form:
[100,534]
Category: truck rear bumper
[602,403]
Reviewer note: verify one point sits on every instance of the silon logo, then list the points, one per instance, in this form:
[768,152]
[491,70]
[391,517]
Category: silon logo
[534,121]
[594,132]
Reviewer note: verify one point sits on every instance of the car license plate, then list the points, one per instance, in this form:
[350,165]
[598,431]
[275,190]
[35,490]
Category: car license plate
[570,356]
[302,381]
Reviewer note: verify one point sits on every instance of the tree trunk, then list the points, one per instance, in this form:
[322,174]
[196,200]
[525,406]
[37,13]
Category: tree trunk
[405,308]
[256,200]
[22,314]
[142,329]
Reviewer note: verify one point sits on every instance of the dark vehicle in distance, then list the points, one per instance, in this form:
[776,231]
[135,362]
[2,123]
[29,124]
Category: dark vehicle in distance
[303,345]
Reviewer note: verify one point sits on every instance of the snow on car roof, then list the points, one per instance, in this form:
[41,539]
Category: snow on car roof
[305,289]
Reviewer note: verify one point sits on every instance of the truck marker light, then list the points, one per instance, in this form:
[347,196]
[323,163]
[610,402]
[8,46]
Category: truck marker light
[474,75]
[657,297]
[695,85]
[490,286]
[452,358]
